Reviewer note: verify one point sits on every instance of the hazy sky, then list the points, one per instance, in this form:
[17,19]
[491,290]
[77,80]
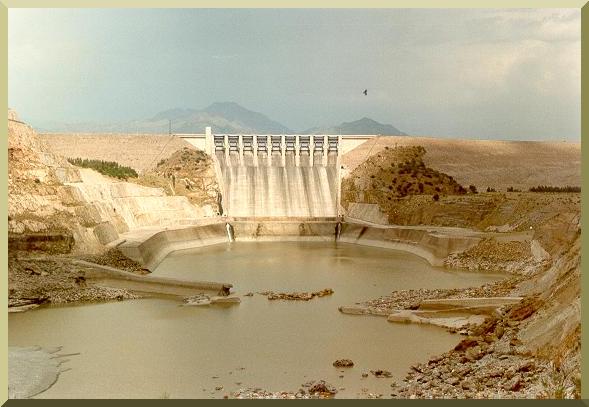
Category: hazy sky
[511,74]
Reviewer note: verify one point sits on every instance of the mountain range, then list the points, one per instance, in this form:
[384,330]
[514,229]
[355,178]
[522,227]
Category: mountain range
[223,117]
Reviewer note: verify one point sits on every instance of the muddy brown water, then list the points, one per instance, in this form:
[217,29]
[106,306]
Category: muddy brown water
[154,347]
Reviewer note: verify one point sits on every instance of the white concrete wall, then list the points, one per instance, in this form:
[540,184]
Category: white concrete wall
[350,142]
[197,140]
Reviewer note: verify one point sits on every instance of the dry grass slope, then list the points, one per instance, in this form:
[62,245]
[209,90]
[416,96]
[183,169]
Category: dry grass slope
[139,151]
[395,173]
[488,163]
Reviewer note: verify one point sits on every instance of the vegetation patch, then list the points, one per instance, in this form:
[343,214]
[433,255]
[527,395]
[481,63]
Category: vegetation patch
[396,173]
[548,188]
[109,168]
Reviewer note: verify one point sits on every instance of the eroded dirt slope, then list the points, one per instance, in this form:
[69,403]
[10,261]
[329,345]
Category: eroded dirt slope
[487,163]
[186,172]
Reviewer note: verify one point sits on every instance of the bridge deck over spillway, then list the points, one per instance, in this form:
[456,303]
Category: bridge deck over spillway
[278,175]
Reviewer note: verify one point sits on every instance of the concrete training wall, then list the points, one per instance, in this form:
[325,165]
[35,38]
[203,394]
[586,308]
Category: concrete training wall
[154,249]
[429,245]
[432,246]
[367,212]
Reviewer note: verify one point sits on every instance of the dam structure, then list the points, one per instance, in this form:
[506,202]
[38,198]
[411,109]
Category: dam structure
[286,188]
[276,176]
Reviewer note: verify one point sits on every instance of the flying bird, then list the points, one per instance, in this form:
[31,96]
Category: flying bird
[365,92]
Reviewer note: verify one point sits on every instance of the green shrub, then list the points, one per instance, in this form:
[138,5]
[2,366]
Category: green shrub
[110,168]
[547,188]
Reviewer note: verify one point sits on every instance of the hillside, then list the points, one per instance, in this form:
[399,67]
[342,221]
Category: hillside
[138,151]
[187,172]
[396,173]
[487,163]
[532,349]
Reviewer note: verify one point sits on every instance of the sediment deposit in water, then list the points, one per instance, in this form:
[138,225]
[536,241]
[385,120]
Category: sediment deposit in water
[32,370]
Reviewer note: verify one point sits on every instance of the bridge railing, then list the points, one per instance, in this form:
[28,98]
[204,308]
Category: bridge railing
[300,143]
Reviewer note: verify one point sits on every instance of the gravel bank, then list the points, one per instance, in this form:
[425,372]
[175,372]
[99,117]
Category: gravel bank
[410,299]
[115,258]
[39,280]
[491,363]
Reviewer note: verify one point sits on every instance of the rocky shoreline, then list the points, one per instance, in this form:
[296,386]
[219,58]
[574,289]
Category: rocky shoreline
[410,299]
[486,364]
[511,257]
[491,361]
[34,280]
[319,389]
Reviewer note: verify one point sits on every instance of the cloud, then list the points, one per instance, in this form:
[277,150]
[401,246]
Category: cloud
[489,72]
[538,24]
[224,56]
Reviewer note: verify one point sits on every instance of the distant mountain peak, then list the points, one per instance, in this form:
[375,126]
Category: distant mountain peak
[248,120]
[364,125]
[366,120]
[224,117]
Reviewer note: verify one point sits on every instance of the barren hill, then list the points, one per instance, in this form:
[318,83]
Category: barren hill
[140,152]
[484,163]
[396,173]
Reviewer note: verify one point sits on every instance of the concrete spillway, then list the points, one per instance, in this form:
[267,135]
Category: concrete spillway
[278,176]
